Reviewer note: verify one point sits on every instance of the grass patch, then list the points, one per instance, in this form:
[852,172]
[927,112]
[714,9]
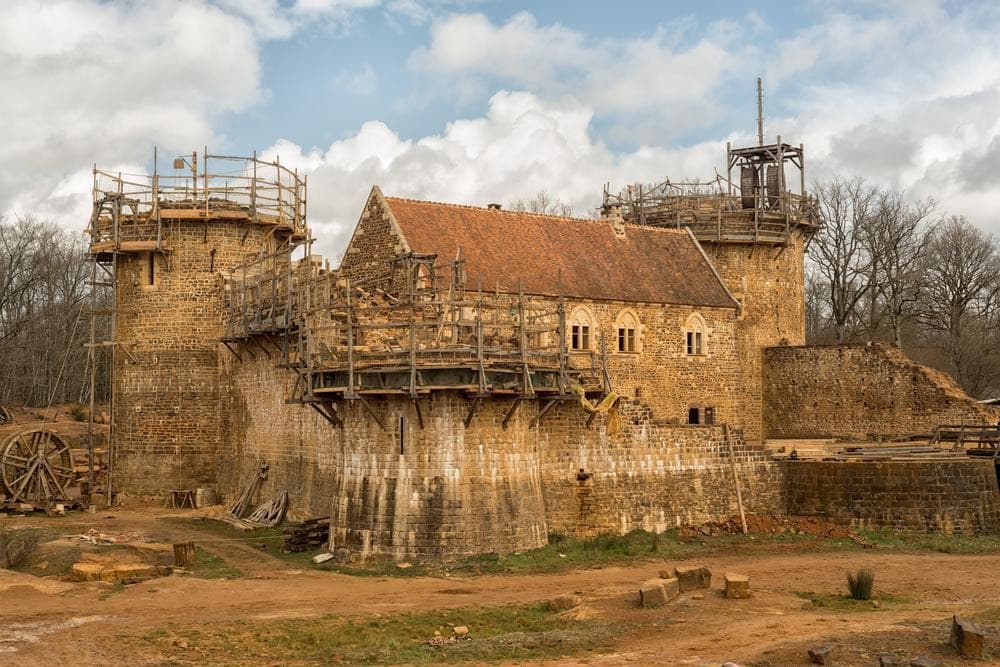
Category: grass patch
[528,632]
[845,603]
[892,540]
[117,588]
[212,566]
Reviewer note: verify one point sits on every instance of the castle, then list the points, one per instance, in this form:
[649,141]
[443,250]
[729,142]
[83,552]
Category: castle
[472,379]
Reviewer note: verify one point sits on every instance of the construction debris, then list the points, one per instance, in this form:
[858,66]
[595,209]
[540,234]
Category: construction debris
[306,536]
[268,515]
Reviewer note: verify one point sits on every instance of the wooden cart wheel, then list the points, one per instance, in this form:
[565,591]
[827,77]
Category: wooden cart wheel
[36,466]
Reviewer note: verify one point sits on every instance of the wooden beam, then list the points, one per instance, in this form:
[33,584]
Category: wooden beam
[230,348]
[370,410]
[420,415]
[472,411]
[511,411]
[544,411]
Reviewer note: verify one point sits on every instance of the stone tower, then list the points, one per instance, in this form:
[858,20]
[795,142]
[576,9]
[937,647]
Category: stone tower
[164,242]
[754,231]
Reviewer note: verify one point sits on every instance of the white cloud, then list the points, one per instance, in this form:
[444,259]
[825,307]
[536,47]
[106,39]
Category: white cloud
[673,69]
[361,82]
[522,144]
[91,81]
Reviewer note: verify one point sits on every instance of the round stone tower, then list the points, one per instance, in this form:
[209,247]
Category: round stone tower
[164,242]
[754,231]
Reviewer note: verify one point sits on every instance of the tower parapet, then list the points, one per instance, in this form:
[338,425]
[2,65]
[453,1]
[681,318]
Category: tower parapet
[164,242]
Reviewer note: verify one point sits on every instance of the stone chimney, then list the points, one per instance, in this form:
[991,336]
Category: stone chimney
[613,214]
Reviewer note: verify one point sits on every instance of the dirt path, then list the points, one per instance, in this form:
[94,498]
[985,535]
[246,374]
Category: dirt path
[82,624]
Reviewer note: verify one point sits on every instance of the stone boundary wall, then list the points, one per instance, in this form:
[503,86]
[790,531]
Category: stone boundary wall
[960,497]
[858,392]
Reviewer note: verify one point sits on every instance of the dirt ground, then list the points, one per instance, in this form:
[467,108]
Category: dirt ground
[45,621]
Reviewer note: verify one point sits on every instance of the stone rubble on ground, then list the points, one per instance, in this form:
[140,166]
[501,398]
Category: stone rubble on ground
[822,655]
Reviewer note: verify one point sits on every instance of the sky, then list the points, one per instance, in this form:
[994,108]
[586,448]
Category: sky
[476,101]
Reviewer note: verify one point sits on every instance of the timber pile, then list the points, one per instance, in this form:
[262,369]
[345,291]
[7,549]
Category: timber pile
[306,536]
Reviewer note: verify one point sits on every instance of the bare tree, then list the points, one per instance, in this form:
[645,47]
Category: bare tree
[544,203]
[896,237]
[961,300]
[840,250]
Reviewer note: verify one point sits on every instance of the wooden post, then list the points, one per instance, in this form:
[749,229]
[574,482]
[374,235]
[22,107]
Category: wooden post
[736,477]
[185,554]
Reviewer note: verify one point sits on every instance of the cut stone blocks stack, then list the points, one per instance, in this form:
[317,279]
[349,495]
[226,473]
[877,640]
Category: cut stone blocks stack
[737,585]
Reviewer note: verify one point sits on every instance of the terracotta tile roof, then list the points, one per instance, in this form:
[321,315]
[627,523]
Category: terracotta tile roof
[649,264]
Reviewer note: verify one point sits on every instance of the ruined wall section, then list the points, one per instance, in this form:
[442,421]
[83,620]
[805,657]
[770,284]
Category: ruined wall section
[769,282]
[860,391]
[661,373]
[166,418]
[959,496]
[376,241]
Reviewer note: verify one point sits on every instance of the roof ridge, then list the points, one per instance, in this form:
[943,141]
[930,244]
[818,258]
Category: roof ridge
[528,213]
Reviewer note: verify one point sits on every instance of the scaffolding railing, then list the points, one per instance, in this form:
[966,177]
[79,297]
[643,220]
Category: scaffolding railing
[416,329]
[131,207]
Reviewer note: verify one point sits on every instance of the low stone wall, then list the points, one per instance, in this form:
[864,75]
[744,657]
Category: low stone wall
[959,496]
[859,392]
[649,476]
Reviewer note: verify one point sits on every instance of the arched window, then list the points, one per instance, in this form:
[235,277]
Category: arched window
[581,330]
[627,332]
[695,336]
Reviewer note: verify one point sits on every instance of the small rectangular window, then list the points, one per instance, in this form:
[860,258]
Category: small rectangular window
[621,340]
[630,340]
[692,415]
[709,416]
[151,269]
[697,342]
[690,342]
[584,337]
[575,337]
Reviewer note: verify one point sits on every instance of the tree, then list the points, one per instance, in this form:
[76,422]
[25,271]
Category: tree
[961,301]
[544,203]
[840,250]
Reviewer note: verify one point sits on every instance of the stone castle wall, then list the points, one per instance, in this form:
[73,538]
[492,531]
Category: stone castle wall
[858,392]
[166,418]
[447,490]
[924,496]
[769,282]
[661,373]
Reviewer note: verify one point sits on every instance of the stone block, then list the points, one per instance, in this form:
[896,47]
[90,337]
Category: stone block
[886,660]
[822,655]
[652,594]
[693,578]
[925,661]
[966,638]
[564,602]
[737,585]
[86,571]
[671,587]
[128,573]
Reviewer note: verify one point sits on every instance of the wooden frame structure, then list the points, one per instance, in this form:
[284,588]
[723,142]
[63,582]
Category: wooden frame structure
[759,210]
[414,330]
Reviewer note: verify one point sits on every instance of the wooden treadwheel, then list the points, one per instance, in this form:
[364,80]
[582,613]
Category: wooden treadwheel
[36,466]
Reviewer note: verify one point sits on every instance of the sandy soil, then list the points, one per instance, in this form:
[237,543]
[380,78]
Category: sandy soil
[47,622]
